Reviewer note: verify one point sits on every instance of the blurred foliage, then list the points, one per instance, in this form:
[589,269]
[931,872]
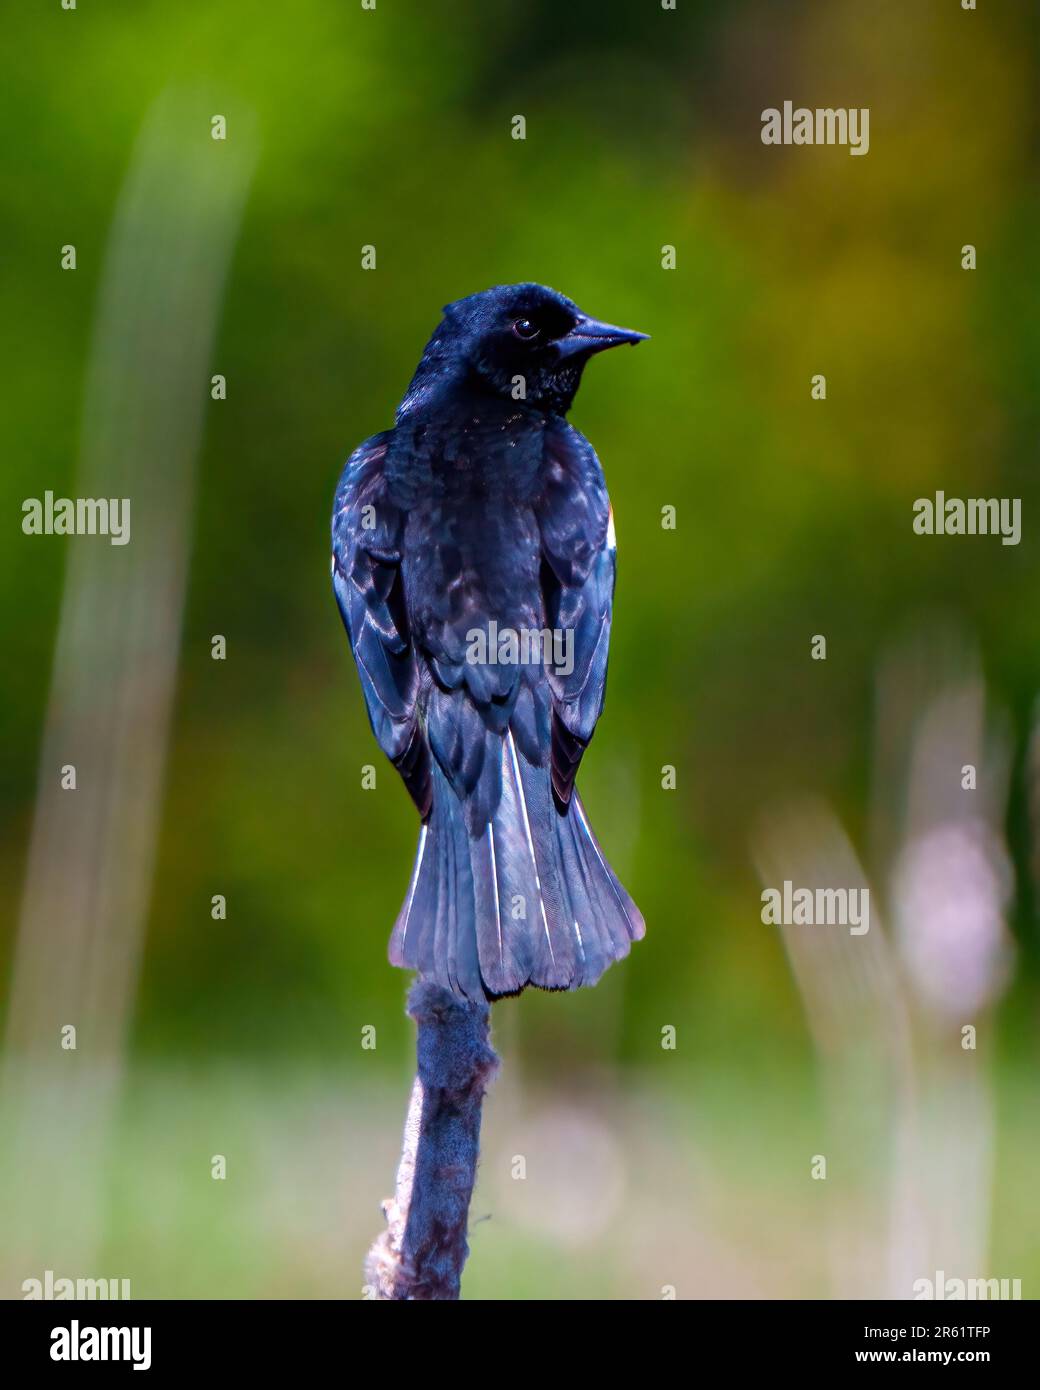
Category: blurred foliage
[392,127]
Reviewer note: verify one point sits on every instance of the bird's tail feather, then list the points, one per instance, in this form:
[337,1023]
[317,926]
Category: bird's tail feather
[528,900]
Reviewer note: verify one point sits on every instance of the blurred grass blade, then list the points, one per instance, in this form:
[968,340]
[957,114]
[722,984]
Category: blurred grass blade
[115,664]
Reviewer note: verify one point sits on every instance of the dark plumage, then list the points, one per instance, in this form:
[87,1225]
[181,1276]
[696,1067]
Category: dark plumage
[481,512]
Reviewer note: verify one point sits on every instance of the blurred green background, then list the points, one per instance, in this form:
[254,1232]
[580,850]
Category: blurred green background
[647,1167]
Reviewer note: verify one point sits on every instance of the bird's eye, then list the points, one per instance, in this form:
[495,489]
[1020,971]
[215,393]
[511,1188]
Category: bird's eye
[525,329]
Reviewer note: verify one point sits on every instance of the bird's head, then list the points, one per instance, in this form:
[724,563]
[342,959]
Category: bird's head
[522,342]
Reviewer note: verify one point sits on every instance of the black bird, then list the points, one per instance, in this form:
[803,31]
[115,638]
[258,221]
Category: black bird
[473,563]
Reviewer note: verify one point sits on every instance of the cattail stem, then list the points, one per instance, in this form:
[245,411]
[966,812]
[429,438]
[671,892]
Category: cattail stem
[421,1253]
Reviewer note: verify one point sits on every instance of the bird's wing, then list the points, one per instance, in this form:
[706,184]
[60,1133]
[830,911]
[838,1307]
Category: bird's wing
[367,531]
[578,587]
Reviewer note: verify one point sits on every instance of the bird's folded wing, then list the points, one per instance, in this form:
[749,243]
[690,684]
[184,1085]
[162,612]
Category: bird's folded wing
[366,577]
[578,583]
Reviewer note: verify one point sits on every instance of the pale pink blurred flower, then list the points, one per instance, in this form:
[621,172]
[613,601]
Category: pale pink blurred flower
[951,888]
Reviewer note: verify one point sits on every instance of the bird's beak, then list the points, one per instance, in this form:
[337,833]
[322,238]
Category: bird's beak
[589,335]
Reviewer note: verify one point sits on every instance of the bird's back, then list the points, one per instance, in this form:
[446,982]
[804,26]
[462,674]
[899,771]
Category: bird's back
[472,548]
